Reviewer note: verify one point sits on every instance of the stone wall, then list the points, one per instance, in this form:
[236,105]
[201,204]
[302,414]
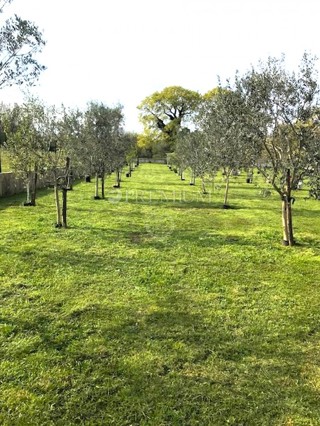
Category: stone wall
[11,184]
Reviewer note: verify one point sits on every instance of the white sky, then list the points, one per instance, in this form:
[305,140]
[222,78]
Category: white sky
[120,51]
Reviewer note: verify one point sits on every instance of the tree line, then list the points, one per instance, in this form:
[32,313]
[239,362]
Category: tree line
[50,141]
[59,143]
[265,120]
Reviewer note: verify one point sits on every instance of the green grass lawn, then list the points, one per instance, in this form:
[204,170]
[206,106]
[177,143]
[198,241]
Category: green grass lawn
[158,307]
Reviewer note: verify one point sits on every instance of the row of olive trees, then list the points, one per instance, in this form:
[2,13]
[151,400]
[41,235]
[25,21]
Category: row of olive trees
[58,142]
[45,140]
[266,119]
[98,143]
[20,41]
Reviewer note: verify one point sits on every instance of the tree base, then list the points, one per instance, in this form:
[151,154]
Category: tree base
[226,206]
[192,184]
[58,225]
[287,243]
[96,197]
[116,186]
[28,204]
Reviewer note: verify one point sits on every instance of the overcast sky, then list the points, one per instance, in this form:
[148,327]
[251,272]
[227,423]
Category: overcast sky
[120,51]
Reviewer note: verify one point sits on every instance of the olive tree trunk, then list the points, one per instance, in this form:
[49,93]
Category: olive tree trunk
[28,192]
[65,188]
[96,192]
[102,185]
[192,178]
[287,224]
[226,191]
[203,184]
[64,207]
[57,200]
[34,188]
[118,178]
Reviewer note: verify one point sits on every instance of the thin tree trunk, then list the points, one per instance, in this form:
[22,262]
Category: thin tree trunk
[102,185]
[284,222]
[70,180]
[65,188]
[204,190]
[64,206]
[27,203]
[118,178]
[34,188]
[288,239]
[290,224]
[226,192]
[289,209]
[57,200]
[192,178]
[96,194]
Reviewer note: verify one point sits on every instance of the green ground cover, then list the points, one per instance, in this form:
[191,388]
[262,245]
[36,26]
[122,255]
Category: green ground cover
[157,307]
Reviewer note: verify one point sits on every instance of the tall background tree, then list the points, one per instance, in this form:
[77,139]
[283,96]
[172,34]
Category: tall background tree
[167,111]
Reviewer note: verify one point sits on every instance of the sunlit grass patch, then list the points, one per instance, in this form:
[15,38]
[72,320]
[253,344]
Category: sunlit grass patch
[158,307]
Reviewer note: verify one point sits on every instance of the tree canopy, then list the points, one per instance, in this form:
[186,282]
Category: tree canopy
[20,41]
[167,111]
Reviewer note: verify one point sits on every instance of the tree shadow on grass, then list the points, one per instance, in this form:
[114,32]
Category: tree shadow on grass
[167,359]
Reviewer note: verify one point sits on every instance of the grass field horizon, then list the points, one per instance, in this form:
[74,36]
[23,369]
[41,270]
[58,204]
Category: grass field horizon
[158,307]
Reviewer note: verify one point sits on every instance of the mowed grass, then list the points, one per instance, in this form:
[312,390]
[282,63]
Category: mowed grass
[158,307]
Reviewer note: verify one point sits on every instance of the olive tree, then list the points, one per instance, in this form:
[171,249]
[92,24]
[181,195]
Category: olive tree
[20,41]
[224,133]
[102,145]
[193,152]
[279,126]
[26,144]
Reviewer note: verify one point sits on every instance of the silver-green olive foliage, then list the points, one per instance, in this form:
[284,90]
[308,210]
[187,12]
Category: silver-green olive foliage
[20,41]
[280,126]
[220,119]
[279,122]
[103,144]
